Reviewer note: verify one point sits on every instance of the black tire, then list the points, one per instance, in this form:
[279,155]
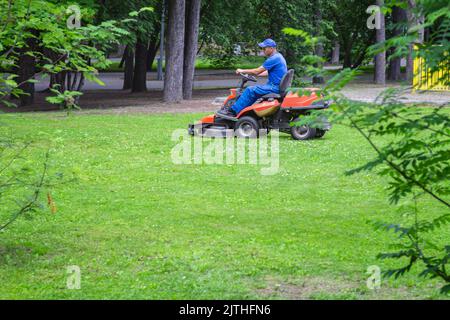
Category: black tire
[303,132]
[320,133]
[247,127]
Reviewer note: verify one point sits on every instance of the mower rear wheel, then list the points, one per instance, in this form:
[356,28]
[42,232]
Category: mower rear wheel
[320,133]
[303,132]
[247,127]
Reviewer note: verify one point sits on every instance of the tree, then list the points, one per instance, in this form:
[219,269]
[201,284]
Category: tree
[414,156]
[294,14]
[153,47]
[128,58]
[69,55]
[173,81]
[191,44]
[398,18]
[27,68]
[143,25]
[318,33]
[414,19]
[380,58]
[140,67]
[225,24]
[348,19]
[154,40]
[335,56]
[144,29]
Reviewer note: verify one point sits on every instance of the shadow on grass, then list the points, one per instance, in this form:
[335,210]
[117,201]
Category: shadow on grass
[15,255]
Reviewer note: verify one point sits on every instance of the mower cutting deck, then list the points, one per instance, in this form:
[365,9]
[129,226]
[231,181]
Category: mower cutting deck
[272,111]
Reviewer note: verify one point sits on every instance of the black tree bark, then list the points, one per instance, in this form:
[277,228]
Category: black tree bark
[319,48]
[347,46]
[380,59]
[26,71]
[191,44]
[153,48]
[129,67]
[398,16]
[140,67]
[173,81]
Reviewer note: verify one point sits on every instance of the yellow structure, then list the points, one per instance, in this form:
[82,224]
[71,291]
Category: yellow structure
[424,79]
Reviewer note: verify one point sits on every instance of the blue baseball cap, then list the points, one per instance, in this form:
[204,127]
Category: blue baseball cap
[268,43]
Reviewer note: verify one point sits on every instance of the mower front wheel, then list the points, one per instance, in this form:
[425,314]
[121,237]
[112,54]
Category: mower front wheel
[247,127]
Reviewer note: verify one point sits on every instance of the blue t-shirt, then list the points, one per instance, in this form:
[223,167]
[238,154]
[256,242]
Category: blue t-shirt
[277,68]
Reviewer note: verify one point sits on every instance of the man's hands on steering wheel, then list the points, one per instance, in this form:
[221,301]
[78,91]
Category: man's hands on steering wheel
[247,77]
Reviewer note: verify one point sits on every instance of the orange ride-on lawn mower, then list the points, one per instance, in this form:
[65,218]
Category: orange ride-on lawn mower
[272,111]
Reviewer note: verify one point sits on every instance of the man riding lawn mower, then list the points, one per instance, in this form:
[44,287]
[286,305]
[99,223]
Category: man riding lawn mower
[268,106]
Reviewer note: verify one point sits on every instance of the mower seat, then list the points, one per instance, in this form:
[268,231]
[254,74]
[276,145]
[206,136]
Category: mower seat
[285,83]
[271,96]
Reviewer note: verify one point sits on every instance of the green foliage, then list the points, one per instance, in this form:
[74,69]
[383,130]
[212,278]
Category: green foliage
[310,64]
[21,183]
[66,99]
[415,158]
[141,18]
[220,57]
[61,51]
[226,23]
[247,22]
[436,47]
[347,23]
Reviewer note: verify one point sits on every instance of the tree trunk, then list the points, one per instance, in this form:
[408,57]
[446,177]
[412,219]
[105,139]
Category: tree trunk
[140,67]
[153,48]
[124,55]
[129,67]
[413,20]
[173,81]
[398,16]
[191,44]
[27,69]
[336,53]
[380,59]
[347,55]
[318,79]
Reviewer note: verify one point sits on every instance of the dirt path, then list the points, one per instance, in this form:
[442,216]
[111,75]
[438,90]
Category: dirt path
[119,101]
[368,92]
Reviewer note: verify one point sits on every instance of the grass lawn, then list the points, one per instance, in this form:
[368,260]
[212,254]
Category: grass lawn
[142,227]
[244,62]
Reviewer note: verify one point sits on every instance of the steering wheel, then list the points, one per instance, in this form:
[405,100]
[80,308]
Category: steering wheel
[248,77]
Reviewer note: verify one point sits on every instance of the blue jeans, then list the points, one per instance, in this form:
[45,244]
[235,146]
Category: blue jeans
[251,94]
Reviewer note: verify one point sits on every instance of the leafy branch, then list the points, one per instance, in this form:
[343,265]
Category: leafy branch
[31,203]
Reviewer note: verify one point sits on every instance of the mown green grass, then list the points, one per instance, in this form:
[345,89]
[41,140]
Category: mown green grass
[142,227]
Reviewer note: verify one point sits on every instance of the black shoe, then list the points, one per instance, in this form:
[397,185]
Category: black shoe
[226,114]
